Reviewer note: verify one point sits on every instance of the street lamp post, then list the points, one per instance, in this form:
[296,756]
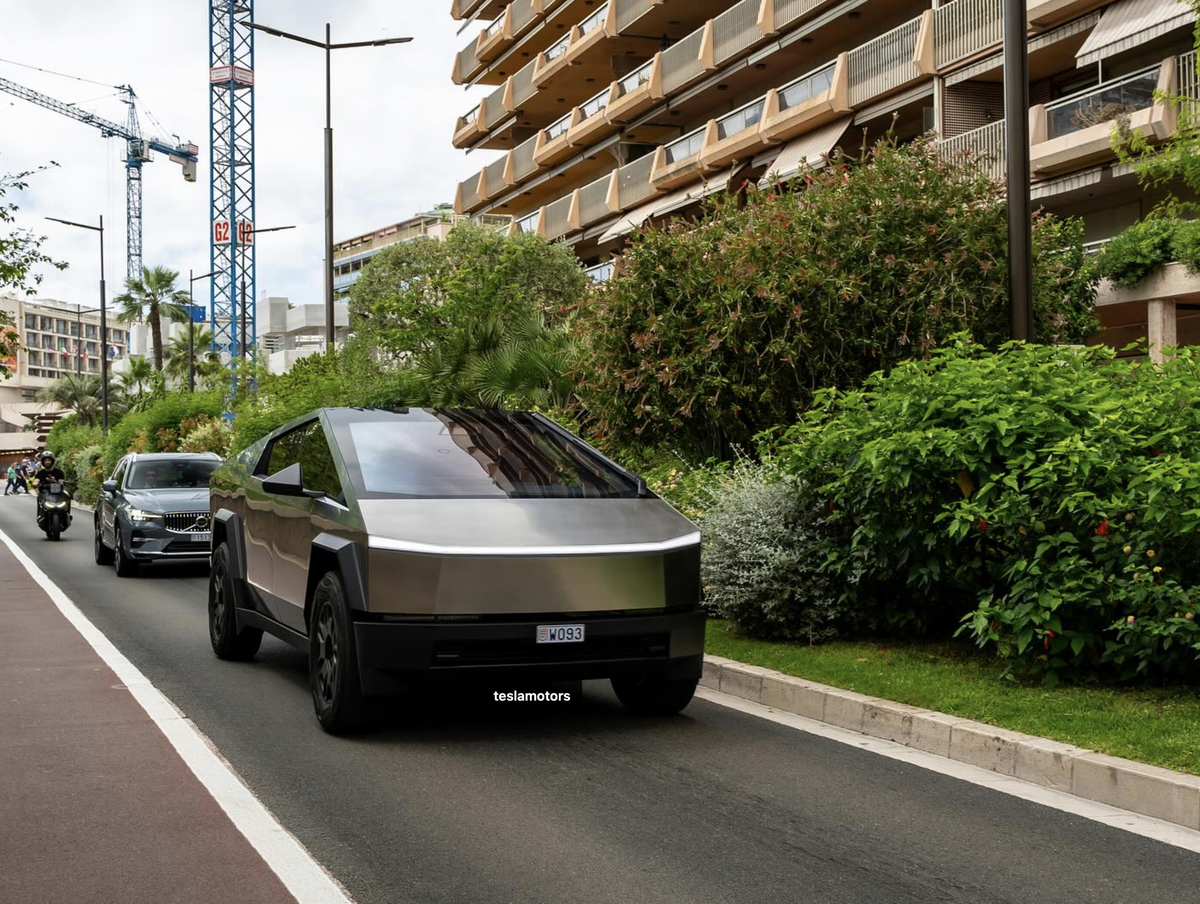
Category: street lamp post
[1016,140]
[192,280]
[242,252]
[103,323]
[328,46]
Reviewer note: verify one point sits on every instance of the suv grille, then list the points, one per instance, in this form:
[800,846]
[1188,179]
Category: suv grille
[188,522]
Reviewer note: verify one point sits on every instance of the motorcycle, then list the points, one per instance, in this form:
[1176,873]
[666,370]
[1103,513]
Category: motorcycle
[54,511]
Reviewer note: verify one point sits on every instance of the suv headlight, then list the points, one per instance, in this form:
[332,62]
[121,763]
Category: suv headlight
[143,515]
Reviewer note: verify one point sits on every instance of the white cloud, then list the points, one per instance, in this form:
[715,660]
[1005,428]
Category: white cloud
[393,107]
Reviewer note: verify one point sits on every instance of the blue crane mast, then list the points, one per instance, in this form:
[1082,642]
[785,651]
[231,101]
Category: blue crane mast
[231,136]
[137,152]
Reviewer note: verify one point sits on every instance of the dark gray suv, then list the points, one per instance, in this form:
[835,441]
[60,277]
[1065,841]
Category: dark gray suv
[155,506]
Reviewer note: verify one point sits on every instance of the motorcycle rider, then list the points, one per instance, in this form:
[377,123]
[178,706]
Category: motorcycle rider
[48,472]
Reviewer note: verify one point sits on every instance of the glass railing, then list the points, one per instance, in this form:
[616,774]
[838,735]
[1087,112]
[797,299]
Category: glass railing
[558,127]
[558,49]
[600,272]
[686,147]
[528,223]
[637,78]
[595,20]
[472,116]
[806,88]
[591,107]
[740,120]
[487,30]
[1102,104]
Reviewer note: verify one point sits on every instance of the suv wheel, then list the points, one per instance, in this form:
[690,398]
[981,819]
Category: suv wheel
[653,694]
[227,641]
[125,566]
[332,663]
[104,555]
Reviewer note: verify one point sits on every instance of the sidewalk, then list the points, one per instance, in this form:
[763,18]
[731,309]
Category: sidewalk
[95,803]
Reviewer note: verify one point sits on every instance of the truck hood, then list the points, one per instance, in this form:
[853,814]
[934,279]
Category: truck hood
[526,526]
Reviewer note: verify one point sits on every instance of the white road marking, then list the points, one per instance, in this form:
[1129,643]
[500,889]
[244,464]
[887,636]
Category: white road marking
[300,873]
[1147,826]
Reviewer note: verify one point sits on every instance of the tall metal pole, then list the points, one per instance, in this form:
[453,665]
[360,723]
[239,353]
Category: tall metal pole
[1016,139]
[191,333]
[329,330]
[103,342]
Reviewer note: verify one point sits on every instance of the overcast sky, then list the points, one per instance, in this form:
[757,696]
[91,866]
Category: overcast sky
[394,110]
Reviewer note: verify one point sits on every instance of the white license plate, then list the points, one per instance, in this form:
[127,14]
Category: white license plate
[201,538]
[560,633]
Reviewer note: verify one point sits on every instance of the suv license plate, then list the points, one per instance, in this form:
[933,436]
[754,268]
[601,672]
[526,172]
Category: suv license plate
[201,538]
[560,633]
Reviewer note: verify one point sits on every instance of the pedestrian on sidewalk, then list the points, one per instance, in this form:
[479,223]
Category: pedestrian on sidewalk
[21,481]
[12,480]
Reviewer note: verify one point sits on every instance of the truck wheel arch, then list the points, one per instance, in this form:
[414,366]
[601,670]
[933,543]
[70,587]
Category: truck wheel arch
[333,553]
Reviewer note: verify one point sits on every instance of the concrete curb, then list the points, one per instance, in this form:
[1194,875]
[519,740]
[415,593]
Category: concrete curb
[1150,790]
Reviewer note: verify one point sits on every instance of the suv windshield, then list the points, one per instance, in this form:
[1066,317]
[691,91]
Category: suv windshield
[461,453]
[165,474]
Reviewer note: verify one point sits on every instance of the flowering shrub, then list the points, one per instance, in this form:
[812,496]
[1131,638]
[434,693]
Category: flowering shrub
[1048,498]
[85,468]
[205,434]
[760,564]
[713,330]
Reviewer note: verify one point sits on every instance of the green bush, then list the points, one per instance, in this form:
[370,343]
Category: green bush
[316,381]
[1049,498]
[762,557]
[711,331]
[65,439]
[86,467]
[1185,245]
[156,428]
[1137,251]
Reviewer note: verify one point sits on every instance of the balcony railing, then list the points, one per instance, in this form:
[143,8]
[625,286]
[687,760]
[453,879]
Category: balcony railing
[965,27]
[591,107]
[493,176]
[468,60]
[600,273]
[735,30]
[470,192]
[806,87]
[1189,85]
[593,200]
[984,146]
[788,11]
[558,127]
[558,48]
[528,223]
[493,108]
[472,116]
[681,61]
[523,14]
[1102,104]
[635,79]
[523,165]
[633,182]
[685,148]
[595,20]
[629,11]
[740,120]
[558,217]
[885,63]
[523,87]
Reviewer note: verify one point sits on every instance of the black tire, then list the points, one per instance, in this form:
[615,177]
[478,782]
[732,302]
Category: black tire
[104,555]
[654,695]
[124,566]
[332,659]
[227,641]
[52,534]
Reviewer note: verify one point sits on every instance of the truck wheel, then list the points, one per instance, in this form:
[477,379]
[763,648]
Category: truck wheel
[653,694]
[227,641]
[104,555]
[332,660]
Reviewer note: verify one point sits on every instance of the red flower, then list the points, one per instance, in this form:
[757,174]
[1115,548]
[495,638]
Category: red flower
[982,524]
[1102,530]
[1046,643]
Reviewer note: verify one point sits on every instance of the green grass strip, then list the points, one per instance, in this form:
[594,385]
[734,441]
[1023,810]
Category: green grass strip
[1160,726]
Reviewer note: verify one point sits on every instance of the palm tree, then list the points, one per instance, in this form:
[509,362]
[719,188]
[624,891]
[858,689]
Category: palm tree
[75,392]
[136,381]
[153,297]
[203,358]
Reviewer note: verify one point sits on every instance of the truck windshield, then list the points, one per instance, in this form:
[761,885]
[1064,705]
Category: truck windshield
[474,453]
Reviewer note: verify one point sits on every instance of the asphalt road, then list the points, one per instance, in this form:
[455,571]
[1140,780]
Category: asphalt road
[451,800]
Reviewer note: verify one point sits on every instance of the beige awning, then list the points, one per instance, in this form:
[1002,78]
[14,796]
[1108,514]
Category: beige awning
[661,205]
[808,150]
[1128,23]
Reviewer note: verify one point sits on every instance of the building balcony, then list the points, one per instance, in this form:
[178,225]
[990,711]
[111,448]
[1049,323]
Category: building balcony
[469,127]
[598,200]
[553,144]
[636,92]
[808,102]
[560,217]
[890,62]
[483,9]
[678,162]
[495,38]
[983,146]
[1077,130]
[1050,12]
[592,124]
[733,135]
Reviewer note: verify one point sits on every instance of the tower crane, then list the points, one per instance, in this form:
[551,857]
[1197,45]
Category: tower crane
[137,153]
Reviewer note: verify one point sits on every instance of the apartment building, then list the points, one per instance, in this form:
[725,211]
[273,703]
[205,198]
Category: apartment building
[290,332]
[350,256]
[612,114]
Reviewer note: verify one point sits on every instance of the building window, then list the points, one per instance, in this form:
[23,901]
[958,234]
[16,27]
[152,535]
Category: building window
[89,331]
[30,322]
[74,328]
[60,326]
[46,324]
